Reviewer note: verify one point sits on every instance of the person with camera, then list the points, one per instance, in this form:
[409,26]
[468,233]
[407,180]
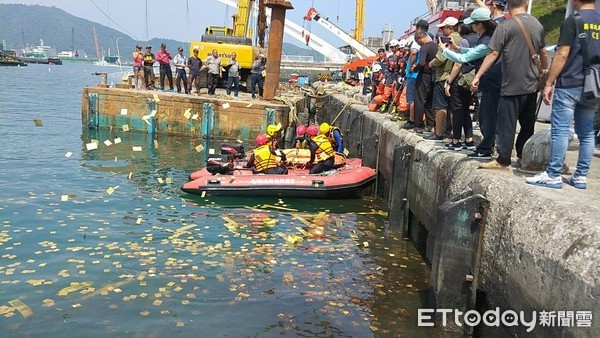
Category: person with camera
[257,75]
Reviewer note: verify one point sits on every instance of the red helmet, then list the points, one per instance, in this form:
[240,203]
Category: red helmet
[312,130]
[261,139]
[300,130]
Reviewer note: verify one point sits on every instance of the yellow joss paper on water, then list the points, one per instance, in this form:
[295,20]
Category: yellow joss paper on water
[91,146]
[110,190]
[169,180]
[346,152]
[160,180]
[68,154]
[64,198]
[123,111]
[38,122]
[187,114]
[107,143]
[211,151]
[137,148]
[199,148]
[21,307]
[117,140]
[125,127]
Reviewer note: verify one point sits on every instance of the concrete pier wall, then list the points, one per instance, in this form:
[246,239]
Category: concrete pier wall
[210,117]
[536,251]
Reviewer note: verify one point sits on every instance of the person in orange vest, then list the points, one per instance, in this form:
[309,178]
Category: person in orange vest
[395,68]
[264,158]
[321,150]
[378,87]
[403,53]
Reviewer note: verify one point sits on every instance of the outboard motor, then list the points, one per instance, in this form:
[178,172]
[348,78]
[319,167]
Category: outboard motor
[236,152]
[223,164]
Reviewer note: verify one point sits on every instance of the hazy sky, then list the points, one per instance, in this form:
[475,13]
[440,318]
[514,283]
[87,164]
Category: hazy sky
[170,18]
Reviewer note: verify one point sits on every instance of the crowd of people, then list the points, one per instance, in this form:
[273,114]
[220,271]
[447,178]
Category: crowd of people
[187,71]
[496,61]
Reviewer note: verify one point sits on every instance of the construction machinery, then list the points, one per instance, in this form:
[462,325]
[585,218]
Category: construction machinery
[238,39]
[359,48]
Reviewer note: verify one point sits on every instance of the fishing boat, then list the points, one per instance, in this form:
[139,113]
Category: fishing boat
[347,181]
[10,59]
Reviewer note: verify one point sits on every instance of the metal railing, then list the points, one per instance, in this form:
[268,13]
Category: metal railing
[297,58]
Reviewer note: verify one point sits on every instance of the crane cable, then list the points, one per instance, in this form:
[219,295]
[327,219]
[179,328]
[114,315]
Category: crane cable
[113,21]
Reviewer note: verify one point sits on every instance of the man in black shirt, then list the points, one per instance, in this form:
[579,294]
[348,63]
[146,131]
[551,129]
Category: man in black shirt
[568,102]
[424,82]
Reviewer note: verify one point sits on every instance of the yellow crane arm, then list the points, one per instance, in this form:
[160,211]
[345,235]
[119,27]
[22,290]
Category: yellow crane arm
[242,18]
[359,24]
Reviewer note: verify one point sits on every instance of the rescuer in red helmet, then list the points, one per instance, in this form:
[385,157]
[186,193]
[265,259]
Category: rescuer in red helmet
[300,140]
[265,160]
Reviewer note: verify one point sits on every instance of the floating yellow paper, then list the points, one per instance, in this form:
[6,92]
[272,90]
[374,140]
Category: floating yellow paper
[203,194]
[123,111]
[64,198]
[169,180]
[239,141]
[155,144]
[136,148]
[38,122]
[199,148]
[107,143]
[195,117]
[130,174]
[117,140]
[346,152]
[68,154]
[125,127]
[21,307]
[110,190]
[187,114]
[139,220]
[366,244]
[91,146]
[211,151]
[160,180]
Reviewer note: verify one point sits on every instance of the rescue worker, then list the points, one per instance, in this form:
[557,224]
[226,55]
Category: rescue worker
[321,150]
[149,60]
[264,158]
[334,135]
[300,141]
[378,83]
[367,81]
[273,135]
[395,65]
[402,54]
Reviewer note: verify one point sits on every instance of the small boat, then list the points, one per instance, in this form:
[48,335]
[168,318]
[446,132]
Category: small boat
[348,181]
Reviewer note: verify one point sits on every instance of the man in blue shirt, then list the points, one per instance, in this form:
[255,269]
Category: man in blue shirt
[568,102]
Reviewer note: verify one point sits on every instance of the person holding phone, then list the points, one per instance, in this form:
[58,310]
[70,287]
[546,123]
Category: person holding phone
[442,67]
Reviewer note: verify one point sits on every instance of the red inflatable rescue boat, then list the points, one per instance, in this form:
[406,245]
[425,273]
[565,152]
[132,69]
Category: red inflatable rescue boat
[345,182]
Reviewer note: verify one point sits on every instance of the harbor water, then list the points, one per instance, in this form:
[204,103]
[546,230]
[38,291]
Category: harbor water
[102,243]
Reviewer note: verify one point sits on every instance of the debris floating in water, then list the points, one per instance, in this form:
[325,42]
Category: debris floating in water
[38,122]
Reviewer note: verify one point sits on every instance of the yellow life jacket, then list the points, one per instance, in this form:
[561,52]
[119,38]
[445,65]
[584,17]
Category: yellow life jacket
[325,150]
[331,138]
[264,159]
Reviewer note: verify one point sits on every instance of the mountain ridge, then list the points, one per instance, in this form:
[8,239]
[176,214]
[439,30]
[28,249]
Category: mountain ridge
[22,25]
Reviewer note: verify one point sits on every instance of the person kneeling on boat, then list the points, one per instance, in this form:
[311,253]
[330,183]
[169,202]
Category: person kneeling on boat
[320,150]
[264,158]
[273,133]
[300,141]
[334,135]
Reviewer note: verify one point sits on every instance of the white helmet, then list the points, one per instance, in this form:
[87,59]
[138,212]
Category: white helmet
[394,43]
[403,43]
[376,68]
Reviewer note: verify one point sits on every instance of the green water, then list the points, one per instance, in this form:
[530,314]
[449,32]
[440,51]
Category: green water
[151,261]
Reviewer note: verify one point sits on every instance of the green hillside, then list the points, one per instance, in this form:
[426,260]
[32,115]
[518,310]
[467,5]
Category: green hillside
[551,14]
[23,24]
[55,26]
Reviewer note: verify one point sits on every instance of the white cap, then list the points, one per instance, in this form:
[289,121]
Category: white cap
[450,21]
[394,43]
[403,43]
[376,68]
